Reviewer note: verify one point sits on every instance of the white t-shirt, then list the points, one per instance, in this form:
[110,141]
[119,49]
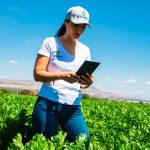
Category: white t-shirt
[60,60]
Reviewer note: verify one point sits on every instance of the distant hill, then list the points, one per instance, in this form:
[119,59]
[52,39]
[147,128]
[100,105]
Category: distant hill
[95,92]
[32,85]
[20,84]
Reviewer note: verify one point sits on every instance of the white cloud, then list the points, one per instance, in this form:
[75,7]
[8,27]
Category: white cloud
[13,62]
[147,82]
[130,81]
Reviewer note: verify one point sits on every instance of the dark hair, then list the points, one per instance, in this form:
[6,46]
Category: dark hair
[61,31]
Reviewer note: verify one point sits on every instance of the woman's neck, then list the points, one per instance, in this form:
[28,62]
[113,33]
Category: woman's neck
[67,39]
[68,44]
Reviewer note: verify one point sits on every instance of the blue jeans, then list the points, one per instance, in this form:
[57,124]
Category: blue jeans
[47,115]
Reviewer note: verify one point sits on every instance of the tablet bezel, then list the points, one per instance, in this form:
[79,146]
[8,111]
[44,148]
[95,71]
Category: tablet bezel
[87,67]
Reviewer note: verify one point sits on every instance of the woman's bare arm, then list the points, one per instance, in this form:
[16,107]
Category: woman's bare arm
[41,74]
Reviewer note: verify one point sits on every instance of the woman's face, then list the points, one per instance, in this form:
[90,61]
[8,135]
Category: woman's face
[74,30]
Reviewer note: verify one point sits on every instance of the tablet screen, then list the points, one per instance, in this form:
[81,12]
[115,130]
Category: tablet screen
[87,67]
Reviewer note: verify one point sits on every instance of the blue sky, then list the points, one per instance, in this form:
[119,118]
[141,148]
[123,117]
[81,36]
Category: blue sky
[119,39]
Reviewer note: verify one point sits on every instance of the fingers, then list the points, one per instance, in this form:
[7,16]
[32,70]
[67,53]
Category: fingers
[87,80]
[71,77]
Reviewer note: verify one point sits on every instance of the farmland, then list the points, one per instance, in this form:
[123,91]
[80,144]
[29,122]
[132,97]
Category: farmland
[112,125]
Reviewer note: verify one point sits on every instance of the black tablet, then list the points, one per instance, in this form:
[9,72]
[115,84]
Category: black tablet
[87,67]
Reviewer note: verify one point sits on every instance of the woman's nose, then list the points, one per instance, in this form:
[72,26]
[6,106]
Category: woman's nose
[80,29]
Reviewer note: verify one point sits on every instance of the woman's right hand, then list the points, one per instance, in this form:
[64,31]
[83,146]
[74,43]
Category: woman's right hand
[70,77]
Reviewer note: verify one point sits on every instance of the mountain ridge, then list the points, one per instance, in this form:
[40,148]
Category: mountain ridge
[33,85]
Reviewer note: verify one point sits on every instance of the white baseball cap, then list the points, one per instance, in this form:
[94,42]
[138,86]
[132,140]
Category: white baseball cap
[78,15]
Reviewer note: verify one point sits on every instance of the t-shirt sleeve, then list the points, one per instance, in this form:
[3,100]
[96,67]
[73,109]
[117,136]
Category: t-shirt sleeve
[45,48]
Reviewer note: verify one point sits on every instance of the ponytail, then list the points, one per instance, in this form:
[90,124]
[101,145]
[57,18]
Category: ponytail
[62,29]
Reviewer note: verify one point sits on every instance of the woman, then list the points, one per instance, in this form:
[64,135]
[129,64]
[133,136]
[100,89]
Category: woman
[57,61]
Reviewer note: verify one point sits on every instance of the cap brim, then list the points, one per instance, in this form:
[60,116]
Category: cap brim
[81,22]
[89,25]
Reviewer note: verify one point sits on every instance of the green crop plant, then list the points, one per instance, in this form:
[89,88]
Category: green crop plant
[112,126]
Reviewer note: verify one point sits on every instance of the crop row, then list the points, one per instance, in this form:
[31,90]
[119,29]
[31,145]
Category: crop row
[112,125]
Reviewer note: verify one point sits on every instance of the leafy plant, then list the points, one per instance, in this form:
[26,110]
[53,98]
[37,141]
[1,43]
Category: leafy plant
[112,125]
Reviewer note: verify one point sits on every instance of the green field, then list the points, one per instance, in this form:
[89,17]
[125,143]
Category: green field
[112,125]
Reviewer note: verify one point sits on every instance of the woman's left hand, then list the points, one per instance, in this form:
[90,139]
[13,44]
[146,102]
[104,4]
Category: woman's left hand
[86,81]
